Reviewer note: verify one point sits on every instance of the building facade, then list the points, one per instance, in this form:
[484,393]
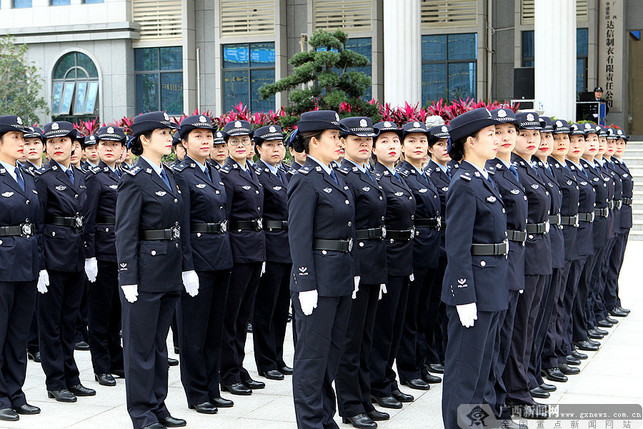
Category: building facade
[107,59]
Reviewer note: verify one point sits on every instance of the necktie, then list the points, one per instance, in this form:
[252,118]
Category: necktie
[207,173]
[248,172]
[370,176]
[492,183]
[584,172]
[20,179]
[279,175]
[398,177]
[448,173]
[70,174]
[514,171]
[332,174]
[165,179]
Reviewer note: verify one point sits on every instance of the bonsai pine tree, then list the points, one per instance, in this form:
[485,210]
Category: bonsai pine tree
[322,80]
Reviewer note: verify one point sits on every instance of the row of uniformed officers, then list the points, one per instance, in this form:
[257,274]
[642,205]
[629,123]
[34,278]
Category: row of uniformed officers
[525,262]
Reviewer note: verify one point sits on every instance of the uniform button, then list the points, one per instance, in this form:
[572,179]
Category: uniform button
[531,236]
[76,196]
[361,244]
[347,202]
[198,234]
[410,198]
[216,192]
[259,208]
[257,192]
[176,201]
[503,210]
[382,217]
[546,192]
[27,202]
[381,197]
[324,252]
[350,223]
[0,241]
[53,233]
[525,197]
[176,245]
[106,229]
[483,264]
[220,207]
[153,252]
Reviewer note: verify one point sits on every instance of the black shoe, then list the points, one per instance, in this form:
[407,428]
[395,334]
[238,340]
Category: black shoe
[27,409]
[600,331]
[253,384]
[62,395]
[204,408]
[538,392]
[624,310]
[431,379]
[579,355]
[611,320]
[401,396]
[154,426]
[80,390]
[272,374]
[548,387]
[617,313]
[417,384]
[568,370]
[172,422]
[360,421]
[554,374]
[118,372]
[285,370]
[222,403]
[510,424]
[387,402]
[378,416]
[438,368]
[604,324]
[593,334]
[9,415]
[34,356]
[594,343]
[172,361]
[571,360]
[81,346]
[586,346]
[237,389]
[105,379]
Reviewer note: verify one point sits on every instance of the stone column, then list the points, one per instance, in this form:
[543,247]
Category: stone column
[402,54]
[555,58]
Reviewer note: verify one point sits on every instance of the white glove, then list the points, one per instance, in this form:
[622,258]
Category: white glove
[43,281]
[91,269]
[468,314]
[191,282]
[263,269]
[308,301]
[356,283]
[130,292]
[382,291]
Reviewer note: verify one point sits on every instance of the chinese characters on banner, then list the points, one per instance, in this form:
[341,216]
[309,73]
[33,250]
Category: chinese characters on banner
[610,52]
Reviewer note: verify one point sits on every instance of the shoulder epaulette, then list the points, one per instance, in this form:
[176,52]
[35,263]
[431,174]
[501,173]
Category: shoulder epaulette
[405,173]
[44,170]
[94,170]
[225,169]
[345,169]
[306,169]
[466,176]
[134,170]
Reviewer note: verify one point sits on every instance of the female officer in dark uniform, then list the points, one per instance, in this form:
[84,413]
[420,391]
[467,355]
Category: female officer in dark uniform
[154,264]
[475,284]
[245,211]
[389,318]
[424,291]
[104,312]
[353,380]
[201,317]
[321,218]
[273,296]
[63,194]
[20,263]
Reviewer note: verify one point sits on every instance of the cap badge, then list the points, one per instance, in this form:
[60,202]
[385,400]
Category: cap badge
[416,124]
[202,119]
[530,117]
[272,129]
[54,126]
[445,129]
[336,116]
[237,124]
[19,120]
[387,124]
[167,118]
[110,130]
[502,113]
[363,123]
[559,124]
[219,135]
[588,126]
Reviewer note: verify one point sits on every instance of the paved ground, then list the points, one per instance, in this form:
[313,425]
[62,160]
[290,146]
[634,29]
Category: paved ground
[612,375]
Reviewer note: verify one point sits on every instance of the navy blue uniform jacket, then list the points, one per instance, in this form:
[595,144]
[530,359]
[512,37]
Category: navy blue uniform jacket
[627,192]
[556,231]
[102,186]
[599,182]
[441,180]
[586,203]
[569,204]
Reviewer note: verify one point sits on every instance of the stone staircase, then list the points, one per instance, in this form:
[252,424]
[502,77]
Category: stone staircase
[634,159]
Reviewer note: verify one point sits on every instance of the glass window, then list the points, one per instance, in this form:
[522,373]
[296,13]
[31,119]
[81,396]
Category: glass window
[527,47]
[364,46]
[93,1]
[75,86]
[449,66]
[246,68]
[19,4]
[159,79]
[60,2]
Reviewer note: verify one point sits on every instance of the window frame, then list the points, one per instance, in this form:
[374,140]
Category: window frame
[65,89]
[158,72]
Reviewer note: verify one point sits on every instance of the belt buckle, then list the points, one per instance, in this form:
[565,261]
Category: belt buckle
[26,229]
[350,244]
[576,220]
[383,232]
[547,226]
[224,226]
[413,232]
[506,245]
[593,217]
[175,232]
[439,223]
[78,222]
[259,224]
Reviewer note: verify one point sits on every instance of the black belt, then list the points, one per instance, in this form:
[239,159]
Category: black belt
[494,249]
[538,228]
[604,212]
[627,201]
[586,217]
[275,225]
[106,220]
[173,233]
[518,236]
[247,225]
[209,227]
[569,220]
[434,222]
[75,222]
[554,219]
[23,230]
[371,233]
[618,204]
[611,204]
[400,234]
[333,245]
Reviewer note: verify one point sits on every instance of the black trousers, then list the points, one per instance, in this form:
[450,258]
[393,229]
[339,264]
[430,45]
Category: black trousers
[599,312]
[201,331]
[548,357]
[543,321]
[575,272]
[353,381]
[433,320]
[515,376]
[104,320]
[387,333]
[610,293]
[244,280]
[556,354]
[33,345]
[57,316]
[579,317]
[17,301]
[468,362]
[410,357]
[596,283]
[317,353]
[271,316]
[83,310]
[146,324]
